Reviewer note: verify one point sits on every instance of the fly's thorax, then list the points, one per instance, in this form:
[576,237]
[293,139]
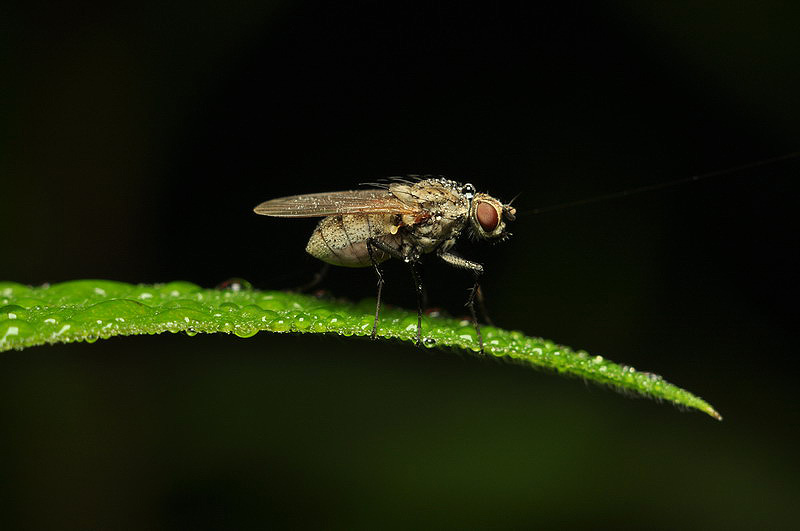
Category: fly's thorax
[342,240]
[446,210]
[433,195]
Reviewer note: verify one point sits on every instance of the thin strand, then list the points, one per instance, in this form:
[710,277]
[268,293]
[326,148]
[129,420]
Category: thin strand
[659,186]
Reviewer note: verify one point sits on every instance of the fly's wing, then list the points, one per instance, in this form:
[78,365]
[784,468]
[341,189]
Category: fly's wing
[334,203]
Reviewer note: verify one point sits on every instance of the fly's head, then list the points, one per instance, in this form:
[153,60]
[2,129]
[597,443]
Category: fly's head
[488,216]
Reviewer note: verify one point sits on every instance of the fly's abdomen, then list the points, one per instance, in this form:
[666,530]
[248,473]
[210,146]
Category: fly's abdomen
[342,240]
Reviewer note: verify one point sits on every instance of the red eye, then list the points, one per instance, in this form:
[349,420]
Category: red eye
[487,216]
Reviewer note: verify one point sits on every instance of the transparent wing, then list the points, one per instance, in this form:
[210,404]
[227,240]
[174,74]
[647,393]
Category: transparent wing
[333,203]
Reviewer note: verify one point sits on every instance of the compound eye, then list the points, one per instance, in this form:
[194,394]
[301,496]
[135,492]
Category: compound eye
[487,216]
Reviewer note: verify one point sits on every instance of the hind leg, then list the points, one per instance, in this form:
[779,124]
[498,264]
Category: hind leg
[318,277]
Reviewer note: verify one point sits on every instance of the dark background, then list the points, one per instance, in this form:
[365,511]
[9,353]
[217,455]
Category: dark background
[136,140]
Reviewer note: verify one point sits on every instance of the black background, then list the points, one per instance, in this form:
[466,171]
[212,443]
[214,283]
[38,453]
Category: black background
[136,140]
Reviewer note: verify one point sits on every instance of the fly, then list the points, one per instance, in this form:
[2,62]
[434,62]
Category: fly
[408,218]
[403,219]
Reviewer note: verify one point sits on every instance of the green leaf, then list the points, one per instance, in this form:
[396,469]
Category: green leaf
[87,310]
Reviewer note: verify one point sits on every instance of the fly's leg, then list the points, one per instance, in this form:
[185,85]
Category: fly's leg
[481,298]
[420,295]
[408,255]
[424,292]
[370,244]
[477,270]
[471,305]
[315,280]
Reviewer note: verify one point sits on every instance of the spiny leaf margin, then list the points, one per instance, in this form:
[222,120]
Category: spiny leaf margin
[87,310]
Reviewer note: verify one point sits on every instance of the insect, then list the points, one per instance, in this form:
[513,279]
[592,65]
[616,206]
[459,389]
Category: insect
[408,218]
[402,219]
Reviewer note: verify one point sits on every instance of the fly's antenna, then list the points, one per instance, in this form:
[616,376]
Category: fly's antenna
[659,186]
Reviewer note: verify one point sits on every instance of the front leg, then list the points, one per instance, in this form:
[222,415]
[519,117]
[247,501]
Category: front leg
[459,262]
[477,293]
[477,270]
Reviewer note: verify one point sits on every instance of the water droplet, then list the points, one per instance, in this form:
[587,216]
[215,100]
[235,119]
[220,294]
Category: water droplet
[178,319]
[253,312]
[245,331]
[183,303]
[366,322]
[235,285]
[14,311]
[279,325]
[113,308]
[302,322]
[319,325]
[179,288]
[267,316]
[13,289]
[272,304]
[429,342]
[409,324]
[14,330]
[29,302]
